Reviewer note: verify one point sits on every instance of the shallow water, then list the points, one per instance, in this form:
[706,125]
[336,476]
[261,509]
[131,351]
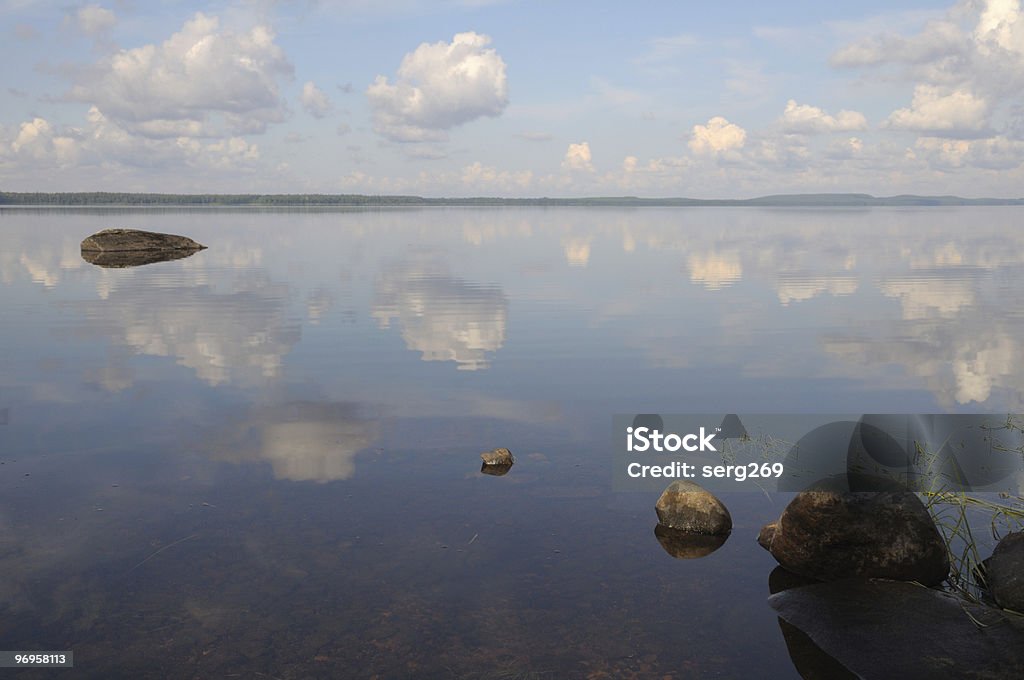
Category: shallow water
[263,458]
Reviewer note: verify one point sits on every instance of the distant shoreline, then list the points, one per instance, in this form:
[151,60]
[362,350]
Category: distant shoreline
[113,199]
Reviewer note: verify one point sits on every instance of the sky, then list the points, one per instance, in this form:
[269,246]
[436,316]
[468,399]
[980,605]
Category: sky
[492,98]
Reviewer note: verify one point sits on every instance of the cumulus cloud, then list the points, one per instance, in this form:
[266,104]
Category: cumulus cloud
[93,19]
[717,136]
[803,118]
[38,145]
[934,109]
[490,178]
[199,76]
[577,157]
[967,68]
[315,101]
[995,153]
[438,87]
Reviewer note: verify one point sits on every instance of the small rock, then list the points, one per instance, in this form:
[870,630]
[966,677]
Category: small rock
[830,535]
[684,505]
[767,533]
[1004,572]
[498,457]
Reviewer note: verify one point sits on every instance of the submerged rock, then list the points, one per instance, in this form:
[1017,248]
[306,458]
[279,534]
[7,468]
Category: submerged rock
[887,629]
[133,240]
[829,535]
[686,506]
[501,457]
[1004,572]
[686,545]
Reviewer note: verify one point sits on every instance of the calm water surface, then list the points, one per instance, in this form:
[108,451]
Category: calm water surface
[262,460]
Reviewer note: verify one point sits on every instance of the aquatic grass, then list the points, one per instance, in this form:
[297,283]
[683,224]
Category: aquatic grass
[951,508]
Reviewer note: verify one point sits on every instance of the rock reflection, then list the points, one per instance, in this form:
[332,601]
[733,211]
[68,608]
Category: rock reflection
[133,258]
[442,317]
[687,545]
[302,441]
[495,470]
[890,629]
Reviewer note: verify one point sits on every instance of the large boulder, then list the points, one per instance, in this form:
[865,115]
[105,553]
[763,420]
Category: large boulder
[132,240]
[830,535]
[684,505]
[1004,572]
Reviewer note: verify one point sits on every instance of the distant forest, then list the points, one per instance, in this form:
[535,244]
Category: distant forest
[358,200]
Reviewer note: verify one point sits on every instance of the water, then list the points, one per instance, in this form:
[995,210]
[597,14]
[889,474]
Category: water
[263,459]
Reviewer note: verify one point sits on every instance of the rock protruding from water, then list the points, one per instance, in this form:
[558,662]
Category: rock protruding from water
[831,535]
[767,533]
[686,506]
[1004,572]
[134,240]
[498,457]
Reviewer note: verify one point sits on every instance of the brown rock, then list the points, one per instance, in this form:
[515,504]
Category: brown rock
[684,505]
[130,240]
[498,457]
[830,535]
[767,533]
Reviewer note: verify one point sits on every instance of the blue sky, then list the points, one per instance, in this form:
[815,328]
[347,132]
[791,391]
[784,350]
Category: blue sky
[513,98]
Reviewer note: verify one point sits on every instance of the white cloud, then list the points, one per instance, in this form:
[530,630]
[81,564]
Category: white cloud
[968,69]
[93,19]
[717,136]
[180,85]
[934,109]
[938,40]
[577,157]
[1001,24]
[995,153]
[804,118]
[38,145]
[438,87]
[490,178]
[315,101]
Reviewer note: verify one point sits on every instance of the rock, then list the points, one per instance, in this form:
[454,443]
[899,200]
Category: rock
[829,535]
[686,506]
[767,533]
[686,545]
[887,629]
[1004,572]
[498,457]
[132,240]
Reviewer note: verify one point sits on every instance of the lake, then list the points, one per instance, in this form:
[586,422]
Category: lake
[263,460]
